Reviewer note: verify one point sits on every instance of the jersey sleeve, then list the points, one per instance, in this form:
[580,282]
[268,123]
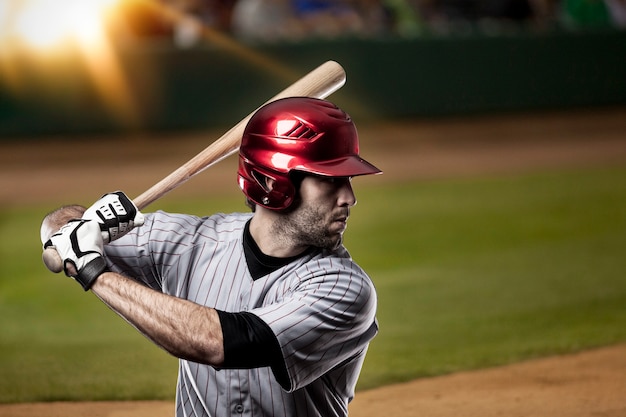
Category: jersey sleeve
[146,253]
[170,249]
[324,320]
[130,255]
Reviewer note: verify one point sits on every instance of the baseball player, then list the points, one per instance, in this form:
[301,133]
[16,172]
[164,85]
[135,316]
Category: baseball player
[266,310]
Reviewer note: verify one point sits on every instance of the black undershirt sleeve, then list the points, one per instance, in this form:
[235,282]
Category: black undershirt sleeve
[250,343]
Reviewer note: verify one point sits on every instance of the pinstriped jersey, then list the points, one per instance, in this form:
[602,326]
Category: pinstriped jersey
[321,308]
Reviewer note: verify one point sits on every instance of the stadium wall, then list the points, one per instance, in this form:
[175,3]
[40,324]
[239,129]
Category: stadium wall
[206,86]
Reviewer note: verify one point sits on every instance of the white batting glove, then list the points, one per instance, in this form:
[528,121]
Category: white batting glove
[80,246]
[116,214]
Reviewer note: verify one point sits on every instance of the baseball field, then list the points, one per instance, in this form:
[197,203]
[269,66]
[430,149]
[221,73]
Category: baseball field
[496,244]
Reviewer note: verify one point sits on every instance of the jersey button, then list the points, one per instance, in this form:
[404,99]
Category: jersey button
[239,409]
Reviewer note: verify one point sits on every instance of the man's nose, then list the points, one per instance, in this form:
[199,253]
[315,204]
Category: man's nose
[346,194]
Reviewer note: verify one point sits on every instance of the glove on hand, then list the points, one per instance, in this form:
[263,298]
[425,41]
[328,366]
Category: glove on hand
[79,244]
[116,214]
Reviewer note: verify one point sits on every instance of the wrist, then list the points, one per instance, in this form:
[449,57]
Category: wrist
[90,272]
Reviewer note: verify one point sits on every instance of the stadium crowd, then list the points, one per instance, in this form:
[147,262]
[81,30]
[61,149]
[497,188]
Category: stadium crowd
[293,20]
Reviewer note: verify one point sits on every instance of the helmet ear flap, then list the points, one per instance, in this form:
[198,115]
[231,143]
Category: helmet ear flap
[276,194]
[281,195]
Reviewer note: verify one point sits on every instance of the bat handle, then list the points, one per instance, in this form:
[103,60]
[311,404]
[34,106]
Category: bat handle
[52,260]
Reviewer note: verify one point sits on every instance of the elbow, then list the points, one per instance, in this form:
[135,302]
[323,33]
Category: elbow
[204,339]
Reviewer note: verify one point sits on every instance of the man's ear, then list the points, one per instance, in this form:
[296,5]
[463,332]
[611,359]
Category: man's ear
[264,181]
[269,183]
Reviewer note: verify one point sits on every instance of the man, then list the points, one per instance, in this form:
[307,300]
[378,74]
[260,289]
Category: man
[266,310]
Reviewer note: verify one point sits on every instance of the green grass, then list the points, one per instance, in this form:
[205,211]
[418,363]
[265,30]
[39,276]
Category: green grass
[470,273]
[479,273]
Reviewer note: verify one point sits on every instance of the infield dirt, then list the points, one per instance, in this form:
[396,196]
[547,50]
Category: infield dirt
[589,384]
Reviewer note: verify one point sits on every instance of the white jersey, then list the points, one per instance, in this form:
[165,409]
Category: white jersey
[321,308]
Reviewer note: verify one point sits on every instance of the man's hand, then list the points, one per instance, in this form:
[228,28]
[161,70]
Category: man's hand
[80,246]
[116,214]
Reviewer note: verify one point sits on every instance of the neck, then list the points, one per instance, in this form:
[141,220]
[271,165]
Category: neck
[268,237]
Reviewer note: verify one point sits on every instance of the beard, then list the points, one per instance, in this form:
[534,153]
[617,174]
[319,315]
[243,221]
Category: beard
[310,226]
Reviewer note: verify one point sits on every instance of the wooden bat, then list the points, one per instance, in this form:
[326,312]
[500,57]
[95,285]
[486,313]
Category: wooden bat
[319,83]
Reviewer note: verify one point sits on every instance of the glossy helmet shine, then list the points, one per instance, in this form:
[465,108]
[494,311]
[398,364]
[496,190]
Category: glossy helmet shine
[296,134]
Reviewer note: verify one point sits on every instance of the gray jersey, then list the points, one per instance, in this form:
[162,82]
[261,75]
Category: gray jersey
[321,307]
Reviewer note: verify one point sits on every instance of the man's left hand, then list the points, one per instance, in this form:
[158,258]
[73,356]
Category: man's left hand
[116,214]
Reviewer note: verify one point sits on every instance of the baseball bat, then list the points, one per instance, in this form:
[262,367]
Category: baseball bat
[319,83]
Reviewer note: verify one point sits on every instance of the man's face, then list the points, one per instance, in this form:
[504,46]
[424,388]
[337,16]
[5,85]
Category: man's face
[321,212]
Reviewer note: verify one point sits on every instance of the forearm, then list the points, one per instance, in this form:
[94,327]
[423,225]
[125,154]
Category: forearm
[185,329]
[182,328]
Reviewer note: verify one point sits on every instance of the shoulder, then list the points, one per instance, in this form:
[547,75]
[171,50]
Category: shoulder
[337,262]
[219,223]
[232,219]
[335,277]
[163,231]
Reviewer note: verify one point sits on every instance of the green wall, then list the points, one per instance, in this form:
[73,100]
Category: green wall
[430,76]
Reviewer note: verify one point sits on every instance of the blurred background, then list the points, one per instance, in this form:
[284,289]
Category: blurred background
[496,234]
[107,65]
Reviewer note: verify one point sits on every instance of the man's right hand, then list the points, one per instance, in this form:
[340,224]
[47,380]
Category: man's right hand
[79,244]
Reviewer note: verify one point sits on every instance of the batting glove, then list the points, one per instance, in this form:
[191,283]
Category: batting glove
[80,246]
[116,214]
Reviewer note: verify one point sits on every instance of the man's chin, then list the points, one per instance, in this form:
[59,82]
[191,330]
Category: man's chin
[336,243]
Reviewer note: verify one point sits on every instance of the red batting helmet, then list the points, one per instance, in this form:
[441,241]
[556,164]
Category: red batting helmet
[296,134]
